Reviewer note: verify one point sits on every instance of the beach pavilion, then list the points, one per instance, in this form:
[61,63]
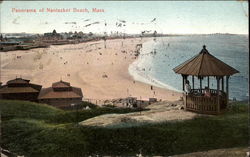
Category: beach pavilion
[204,65]
[20,89]
[61,95]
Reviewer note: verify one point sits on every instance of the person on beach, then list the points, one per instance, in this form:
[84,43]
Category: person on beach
[187,87]
[207,92]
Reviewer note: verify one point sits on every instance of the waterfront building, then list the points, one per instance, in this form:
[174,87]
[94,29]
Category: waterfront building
[61,95]
[20,89]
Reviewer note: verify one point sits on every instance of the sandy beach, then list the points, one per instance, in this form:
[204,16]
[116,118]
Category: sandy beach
[101,73]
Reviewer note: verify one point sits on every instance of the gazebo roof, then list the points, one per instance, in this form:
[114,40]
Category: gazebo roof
[205,64]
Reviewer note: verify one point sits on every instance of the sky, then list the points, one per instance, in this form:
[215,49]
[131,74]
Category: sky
[172,17]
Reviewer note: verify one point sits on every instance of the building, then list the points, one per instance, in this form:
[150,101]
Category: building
[20,89]
[206,66]
[142,103]
[134,102]
[61,95]
[52,36]
[152,100]
[129,102]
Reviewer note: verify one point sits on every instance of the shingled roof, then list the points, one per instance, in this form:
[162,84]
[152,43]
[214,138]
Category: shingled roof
[6,89]
[204,64]
[19,85]
[49,93]
[69,92]
[18,81]
[61,84]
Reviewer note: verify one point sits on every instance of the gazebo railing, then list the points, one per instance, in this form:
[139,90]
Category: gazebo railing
[202,91]
[196,101]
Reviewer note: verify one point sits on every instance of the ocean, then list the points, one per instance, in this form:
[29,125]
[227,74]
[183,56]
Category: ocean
[158,58]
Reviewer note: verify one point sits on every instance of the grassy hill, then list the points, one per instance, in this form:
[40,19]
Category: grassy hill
[32,129]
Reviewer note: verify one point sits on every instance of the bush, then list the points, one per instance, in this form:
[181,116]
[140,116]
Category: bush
[81,115]
[49,132]
[25,109]
[81,106]
[36,138]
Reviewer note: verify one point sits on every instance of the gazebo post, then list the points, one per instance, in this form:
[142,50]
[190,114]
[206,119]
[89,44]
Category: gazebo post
[193,81]
[218,96]
[222,84]
[183,87]
[227,90]
[208,81]
[200,84]
[185,80]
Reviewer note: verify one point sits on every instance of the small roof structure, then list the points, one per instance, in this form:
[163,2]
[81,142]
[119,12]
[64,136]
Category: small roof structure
[60,84]
[205,64]
[19,85]
[49,93]
[67,92]
[18,81]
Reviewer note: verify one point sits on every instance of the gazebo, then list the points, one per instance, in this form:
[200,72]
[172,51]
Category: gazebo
[204,65]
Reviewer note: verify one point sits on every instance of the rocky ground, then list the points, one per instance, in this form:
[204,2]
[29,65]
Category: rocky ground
[229,152]
[158,112]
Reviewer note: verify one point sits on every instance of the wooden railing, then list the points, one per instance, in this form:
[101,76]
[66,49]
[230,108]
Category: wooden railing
[196,101]
[202,91]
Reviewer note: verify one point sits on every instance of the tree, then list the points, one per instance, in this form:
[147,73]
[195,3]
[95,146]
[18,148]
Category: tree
[54,31]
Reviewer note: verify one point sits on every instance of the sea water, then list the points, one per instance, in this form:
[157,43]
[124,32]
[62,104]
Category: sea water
[158,58]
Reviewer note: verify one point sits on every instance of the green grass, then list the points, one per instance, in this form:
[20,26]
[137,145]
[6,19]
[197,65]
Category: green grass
[52,132]
[24,109]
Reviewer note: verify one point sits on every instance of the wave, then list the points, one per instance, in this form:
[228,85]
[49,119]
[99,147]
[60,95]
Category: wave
[138,75]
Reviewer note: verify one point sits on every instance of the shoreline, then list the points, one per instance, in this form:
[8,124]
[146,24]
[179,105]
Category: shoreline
[84,65]
[142,76]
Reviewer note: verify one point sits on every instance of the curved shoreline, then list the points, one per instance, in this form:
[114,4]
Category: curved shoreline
[142,76]
[83,65]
